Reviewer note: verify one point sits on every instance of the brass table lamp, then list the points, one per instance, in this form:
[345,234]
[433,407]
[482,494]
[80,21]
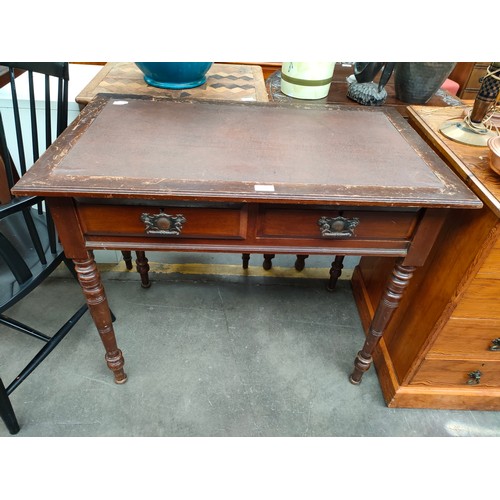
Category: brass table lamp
[473,129]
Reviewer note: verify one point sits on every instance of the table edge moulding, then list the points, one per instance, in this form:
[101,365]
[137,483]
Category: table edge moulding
[198,175]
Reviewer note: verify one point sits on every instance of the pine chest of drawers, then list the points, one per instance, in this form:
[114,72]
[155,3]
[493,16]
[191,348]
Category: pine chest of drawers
[442,347]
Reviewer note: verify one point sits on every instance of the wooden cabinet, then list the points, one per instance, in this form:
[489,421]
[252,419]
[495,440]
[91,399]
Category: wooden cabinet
[468,75]
[440,349]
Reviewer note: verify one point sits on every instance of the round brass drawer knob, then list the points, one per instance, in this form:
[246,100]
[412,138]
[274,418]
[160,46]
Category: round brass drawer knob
[163,223]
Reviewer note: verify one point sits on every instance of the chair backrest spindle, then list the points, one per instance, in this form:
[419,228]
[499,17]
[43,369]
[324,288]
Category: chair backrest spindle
[34,127]
[5,157]
[17,121]
[48,121]
[54,124]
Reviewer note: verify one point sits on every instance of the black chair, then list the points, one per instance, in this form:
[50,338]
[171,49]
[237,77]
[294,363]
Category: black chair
[29,248]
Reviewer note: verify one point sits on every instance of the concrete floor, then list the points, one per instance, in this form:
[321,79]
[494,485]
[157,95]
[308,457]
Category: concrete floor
[226,353]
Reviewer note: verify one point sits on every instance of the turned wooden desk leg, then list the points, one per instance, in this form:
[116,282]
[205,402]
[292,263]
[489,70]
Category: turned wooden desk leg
[397,284]
[90,281]
[127,257]
[268,261]
[300,262]
[143,268]
[335,272]
[245,257]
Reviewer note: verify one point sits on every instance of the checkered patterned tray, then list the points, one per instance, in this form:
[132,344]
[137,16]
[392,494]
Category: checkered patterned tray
[232,82]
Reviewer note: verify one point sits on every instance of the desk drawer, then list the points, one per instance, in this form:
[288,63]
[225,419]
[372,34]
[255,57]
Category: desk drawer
[480,300]
[468,338]
[325,224]
[457,373]
[164,221]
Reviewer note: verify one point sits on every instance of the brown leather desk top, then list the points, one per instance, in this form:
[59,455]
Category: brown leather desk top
[133,147]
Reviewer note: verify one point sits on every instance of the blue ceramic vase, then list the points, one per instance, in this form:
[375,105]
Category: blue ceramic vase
[174,75]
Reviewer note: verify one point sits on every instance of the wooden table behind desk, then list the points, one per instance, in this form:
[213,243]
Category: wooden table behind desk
[230,82]
[338,92]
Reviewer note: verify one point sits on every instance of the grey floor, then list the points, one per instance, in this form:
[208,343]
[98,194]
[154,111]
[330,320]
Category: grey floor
[213,355]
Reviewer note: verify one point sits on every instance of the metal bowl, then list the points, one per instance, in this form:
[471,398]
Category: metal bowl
[494,147]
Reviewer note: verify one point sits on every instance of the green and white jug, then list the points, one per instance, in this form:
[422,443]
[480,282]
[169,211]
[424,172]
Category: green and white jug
[306,80]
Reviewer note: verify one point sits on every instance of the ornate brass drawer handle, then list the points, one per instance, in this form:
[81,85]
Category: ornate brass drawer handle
[163,224]
[337,227]
[474,377]
[495,344]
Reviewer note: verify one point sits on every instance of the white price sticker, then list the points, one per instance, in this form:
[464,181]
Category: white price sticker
[264,187]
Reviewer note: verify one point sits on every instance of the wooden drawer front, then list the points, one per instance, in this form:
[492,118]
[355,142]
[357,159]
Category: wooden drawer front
[456,373]
[467,338]
[480,300]
[474,81]
[200,222]
[469,95]
[293,223]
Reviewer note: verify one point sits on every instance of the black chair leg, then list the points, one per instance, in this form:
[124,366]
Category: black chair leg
[7,412]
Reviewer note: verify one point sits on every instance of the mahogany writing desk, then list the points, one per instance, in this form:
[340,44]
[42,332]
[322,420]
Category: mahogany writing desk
[137,173]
